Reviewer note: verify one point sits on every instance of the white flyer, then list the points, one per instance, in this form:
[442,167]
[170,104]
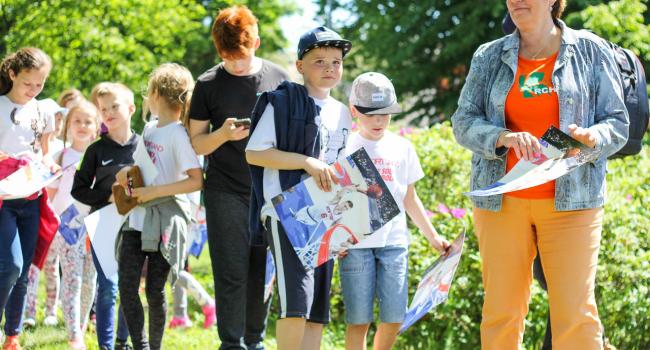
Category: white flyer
[143,161]
[103,226]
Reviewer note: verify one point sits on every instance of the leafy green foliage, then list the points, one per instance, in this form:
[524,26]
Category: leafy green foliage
[116,40]
[124,40]
[621,22]
[426,46]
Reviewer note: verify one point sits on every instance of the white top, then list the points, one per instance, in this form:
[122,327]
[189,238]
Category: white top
[22,135]
[335,126]
[62,199]
[171,151]
[399,166]
[56,145]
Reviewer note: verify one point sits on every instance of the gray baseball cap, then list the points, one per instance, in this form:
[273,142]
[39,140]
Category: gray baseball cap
[372,93]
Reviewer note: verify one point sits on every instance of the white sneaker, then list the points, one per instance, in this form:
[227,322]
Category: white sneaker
[51,321]
[29,322]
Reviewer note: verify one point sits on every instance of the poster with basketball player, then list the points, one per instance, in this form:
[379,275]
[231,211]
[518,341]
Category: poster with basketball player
[433,289]
[321,225]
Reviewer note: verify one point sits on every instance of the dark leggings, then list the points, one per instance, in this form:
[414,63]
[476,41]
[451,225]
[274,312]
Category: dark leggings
[132,259]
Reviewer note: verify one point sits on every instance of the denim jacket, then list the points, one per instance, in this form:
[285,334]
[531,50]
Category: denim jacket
[589,93]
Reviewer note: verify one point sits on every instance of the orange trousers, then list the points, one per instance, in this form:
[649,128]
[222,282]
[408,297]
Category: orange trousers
[568,244]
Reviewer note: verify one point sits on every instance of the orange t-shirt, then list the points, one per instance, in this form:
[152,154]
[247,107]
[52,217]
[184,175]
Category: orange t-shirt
[532,105]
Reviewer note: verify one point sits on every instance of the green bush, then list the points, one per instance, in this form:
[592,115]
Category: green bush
[623,273]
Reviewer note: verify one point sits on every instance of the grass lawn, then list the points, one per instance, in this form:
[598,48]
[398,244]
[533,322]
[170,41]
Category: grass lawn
[195,337]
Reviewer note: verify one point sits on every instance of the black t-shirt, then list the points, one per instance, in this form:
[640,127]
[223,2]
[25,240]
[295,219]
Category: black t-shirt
[219,95]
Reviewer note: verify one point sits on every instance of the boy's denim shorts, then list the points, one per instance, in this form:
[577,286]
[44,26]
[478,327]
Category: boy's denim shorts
[375,271]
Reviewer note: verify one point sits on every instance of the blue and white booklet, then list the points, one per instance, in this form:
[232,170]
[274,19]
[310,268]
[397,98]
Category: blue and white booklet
[322,225]
[72,227]
[433,289]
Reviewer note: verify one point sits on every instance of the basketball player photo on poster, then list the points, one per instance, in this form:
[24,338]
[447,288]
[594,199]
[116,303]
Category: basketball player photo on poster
[322,225]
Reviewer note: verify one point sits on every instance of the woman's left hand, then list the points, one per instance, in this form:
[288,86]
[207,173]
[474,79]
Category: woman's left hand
[145,194]
[584,135]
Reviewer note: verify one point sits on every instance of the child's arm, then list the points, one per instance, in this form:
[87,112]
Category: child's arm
[206,142]
[82,189]
[53,188]
[416,212]
[194,182]
[322,173]
[47,156]
[51,192]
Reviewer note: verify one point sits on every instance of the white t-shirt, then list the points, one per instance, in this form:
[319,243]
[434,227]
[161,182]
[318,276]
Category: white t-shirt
[22,134]
[62,199]
[399,166]
[56,145]
[171,151]
[335,126]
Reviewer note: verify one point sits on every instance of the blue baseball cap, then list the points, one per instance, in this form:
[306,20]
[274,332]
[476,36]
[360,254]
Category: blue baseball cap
[322,37]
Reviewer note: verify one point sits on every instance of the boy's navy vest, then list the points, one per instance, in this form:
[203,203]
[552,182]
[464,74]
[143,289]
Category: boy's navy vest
[296,131]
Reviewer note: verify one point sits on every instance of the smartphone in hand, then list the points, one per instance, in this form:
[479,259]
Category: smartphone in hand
[245,122]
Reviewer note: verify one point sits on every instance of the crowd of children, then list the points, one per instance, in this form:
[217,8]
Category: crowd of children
[296,130]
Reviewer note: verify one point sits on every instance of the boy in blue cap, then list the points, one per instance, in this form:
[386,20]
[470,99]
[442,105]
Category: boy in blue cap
[296,131]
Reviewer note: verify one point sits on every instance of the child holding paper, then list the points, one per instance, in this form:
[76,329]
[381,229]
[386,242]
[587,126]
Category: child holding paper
[157,229]
[279,159]
[92,186]
[25,132]
[379,264]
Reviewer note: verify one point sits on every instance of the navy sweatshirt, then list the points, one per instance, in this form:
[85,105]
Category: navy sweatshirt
[96,174]
[295,131]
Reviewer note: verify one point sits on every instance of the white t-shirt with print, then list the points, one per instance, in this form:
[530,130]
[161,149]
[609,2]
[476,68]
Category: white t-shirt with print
[171,151]
[17,136]
[62,199]
[399,166]
[335,126]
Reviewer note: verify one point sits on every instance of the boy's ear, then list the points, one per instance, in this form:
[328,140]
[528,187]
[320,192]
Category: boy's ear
[12,74]
[131,109]
[257,43]
[353,111]
[299,66]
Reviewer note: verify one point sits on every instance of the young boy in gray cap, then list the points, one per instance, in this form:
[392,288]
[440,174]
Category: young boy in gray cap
[379,264]
[298,130]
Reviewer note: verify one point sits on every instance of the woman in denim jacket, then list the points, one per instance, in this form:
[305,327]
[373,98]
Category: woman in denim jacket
[543,74]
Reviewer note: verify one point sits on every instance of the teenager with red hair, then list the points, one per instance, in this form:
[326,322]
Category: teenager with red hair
[223,94]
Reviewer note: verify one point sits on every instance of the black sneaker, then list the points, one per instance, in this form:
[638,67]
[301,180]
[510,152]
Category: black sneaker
[122,345]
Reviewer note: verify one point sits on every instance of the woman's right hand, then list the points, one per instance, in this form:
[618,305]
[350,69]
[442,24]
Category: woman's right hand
[524,144]
[122,176]
[3,156]
[322,173]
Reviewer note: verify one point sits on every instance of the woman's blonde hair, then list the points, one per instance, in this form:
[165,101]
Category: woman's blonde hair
[174,84]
